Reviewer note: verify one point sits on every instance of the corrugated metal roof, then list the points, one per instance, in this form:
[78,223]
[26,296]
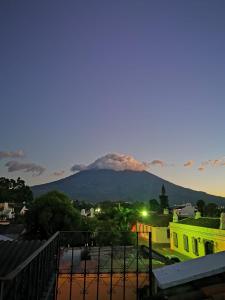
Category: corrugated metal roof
[13,253]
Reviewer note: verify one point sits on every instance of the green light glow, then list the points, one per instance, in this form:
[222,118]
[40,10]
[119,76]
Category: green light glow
[144,213]
[98,210]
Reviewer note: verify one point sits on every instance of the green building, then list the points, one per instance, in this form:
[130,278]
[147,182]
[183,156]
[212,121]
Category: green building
[199,236]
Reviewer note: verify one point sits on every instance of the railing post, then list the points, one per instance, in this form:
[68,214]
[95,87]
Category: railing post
[98,273]
[137,269]
[57,253]
[2,290]
[85,265]
[124,272]
[150,263]
[71,275]
[111,273]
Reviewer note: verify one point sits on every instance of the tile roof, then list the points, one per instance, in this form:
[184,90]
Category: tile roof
[202,222]
[13,253]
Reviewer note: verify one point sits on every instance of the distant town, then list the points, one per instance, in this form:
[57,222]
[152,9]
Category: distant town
[168,235]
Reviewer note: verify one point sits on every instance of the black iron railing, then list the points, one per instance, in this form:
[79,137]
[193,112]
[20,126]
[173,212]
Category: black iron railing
[94,267]
[35,278]
[83,266]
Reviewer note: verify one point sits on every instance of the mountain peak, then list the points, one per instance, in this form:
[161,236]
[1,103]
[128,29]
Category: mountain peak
[96,185]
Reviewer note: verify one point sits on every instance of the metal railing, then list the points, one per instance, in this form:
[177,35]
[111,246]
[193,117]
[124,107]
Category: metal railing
[35,278]
[88,259]
[91,266]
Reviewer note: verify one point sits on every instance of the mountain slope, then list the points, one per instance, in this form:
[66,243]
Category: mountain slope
[101,185]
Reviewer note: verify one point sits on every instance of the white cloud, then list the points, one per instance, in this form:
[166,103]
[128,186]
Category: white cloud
[78,167]
[58,173]
[201,168]
[189,163]
[26,167]
[114,161]
[218,162]
[12,154]
[158,162]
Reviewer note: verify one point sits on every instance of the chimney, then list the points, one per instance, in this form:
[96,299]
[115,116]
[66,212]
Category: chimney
[83,212]
[92,212]
[165,211]
[222,220]
[175,216]
[197,215]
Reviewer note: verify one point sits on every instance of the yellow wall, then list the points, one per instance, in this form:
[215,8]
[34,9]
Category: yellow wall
[159,234]
[202,234]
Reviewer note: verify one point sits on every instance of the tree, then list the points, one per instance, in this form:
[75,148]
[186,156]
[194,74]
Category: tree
[114,224]
[15,191]
[154,205]
[50,213]
[211,210]
[201,206]
[163,199]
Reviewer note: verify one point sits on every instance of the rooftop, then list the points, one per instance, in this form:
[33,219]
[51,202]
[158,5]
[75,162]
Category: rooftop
[190,270]
[157,220]
[202,222]
[12,230]
[13,253]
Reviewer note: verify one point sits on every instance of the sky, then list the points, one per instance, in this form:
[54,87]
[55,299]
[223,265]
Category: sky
[143,80]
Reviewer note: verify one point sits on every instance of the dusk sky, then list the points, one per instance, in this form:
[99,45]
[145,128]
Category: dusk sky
[82,79]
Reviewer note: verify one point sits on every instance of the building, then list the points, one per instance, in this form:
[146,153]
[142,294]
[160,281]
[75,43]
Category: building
[28,269]
[158,225]
[185,210]
[201,278]
[23,210]
[6,211]
[87,212]
[12,231]
[199,236]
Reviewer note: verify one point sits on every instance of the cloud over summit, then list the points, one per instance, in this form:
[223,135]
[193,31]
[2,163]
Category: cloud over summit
[114,161]
[58,173]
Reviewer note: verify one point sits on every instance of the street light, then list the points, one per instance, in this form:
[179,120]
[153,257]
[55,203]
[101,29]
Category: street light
[144,213]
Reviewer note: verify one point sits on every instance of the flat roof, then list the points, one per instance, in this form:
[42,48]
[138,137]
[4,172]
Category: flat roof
[202,222]
[157,220]
[184,272]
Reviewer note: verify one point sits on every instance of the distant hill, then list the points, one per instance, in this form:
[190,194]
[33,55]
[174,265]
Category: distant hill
[102,185]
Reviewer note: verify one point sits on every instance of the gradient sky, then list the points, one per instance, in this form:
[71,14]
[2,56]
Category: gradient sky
[80,79]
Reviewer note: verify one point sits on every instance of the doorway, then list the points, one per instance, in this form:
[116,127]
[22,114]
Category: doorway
[209,247]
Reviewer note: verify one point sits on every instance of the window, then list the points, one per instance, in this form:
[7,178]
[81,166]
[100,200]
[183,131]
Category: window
[175,239]
[209,247]
[168,233]
[186,245]
[195,246]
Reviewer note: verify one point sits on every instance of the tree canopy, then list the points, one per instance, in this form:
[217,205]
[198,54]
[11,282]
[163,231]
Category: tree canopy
[154,205]
[50,213]
[14,191]
[201,206]
[211,210]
